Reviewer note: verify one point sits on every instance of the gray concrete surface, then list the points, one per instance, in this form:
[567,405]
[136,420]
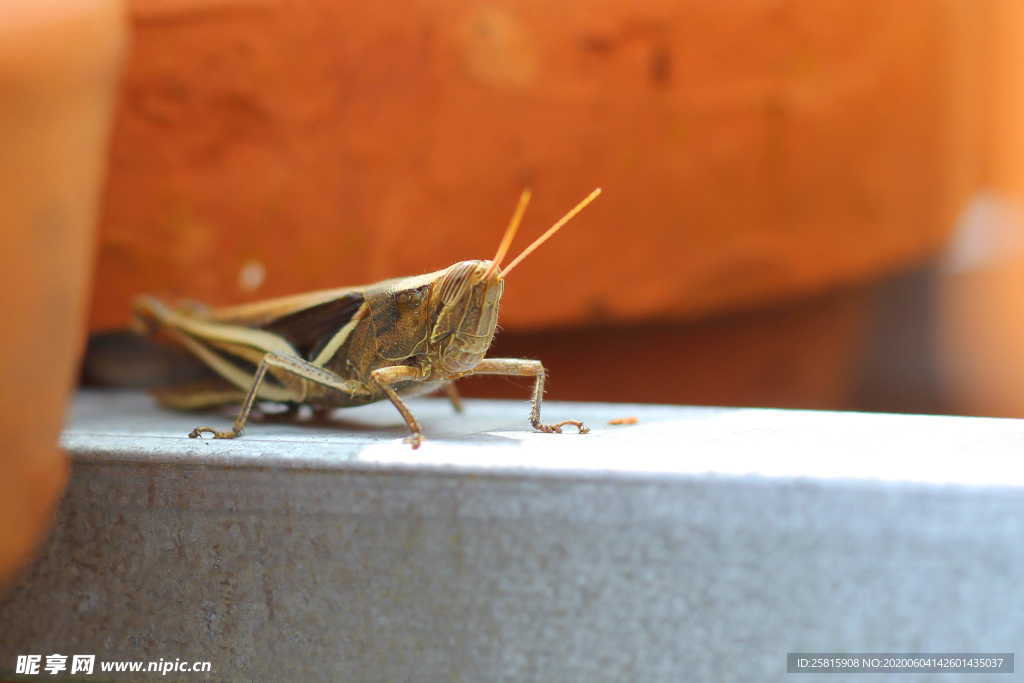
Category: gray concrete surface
[699,544]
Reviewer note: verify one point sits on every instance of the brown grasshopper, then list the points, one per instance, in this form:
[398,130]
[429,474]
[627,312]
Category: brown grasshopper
[354,345]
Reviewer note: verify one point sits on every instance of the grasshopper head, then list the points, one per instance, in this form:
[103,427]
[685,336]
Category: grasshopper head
[466,302]
[466,306]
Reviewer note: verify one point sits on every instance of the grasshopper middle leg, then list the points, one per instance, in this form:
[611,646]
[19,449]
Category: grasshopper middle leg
[527,368]
[385,378]
[453,395]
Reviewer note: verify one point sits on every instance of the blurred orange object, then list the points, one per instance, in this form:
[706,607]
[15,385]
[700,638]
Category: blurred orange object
[981,296]
[58,62]
[981,314]
[750,152]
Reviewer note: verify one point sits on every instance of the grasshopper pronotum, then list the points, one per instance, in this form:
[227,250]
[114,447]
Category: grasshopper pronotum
[354,345]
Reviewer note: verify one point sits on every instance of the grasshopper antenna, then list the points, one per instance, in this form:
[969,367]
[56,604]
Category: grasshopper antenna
[550,231]
[510,233]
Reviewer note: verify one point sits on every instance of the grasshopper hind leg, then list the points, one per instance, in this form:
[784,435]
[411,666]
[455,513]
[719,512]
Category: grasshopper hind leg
[198,395]
[292,365]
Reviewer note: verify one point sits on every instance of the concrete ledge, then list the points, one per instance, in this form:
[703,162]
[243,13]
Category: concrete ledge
[699,544]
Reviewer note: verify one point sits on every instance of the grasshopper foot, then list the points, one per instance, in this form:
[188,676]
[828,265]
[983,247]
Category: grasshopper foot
[557,428]
[198,431]
[413,440]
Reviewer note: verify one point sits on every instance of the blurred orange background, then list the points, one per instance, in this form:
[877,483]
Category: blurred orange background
[764,161]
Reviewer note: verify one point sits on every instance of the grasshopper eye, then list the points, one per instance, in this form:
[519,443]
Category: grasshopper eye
[410,299]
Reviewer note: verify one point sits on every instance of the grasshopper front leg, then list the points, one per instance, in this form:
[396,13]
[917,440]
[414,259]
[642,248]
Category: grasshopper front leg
[519,367]
[292,365]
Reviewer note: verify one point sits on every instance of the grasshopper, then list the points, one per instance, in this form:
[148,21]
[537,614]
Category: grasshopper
[353,345]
